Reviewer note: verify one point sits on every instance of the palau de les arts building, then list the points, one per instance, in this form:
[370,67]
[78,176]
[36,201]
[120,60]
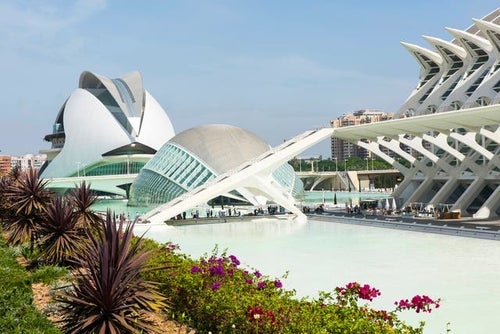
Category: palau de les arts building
[105,132]
[444,140]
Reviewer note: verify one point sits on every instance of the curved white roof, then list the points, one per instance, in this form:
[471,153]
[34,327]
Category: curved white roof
[222,147]
[101,116]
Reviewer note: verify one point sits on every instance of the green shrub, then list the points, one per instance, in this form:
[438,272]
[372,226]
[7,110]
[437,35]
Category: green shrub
[48,274]
[18,314]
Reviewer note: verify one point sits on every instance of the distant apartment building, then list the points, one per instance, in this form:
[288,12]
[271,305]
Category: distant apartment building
[342,149]
[27,161]
[4,165]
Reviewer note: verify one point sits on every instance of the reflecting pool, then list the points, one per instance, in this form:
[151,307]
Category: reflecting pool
[318,255]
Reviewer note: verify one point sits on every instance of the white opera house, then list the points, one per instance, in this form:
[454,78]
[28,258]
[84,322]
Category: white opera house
[105,133]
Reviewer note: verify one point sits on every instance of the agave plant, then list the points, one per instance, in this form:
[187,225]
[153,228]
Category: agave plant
[15,172]
[108,294]
[60,239]
[82,198]
[27,197]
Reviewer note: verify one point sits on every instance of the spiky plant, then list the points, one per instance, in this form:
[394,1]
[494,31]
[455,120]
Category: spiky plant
[108,294]
[60,240]
[15,172]
[27,197]
[82,198]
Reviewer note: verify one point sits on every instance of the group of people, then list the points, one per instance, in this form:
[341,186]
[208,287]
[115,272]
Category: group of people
[210,213]
[356,210]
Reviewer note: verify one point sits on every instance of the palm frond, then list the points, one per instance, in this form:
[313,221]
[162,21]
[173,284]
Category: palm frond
[109,293]
[60,239]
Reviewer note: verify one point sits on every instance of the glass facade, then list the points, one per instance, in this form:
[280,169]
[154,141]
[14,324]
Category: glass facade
[285,176]
[173,171]
[118,168]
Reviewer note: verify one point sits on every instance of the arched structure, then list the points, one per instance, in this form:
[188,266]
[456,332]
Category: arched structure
[255,176]
[197,156]
[454,157]
[107,127]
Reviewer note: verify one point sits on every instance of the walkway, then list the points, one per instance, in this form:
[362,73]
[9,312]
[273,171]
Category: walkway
[464,227]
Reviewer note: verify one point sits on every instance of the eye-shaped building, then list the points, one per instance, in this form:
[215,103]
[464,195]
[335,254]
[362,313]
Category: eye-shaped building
[197,156]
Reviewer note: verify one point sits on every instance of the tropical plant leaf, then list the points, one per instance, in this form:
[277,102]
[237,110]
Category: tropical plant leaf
[60,239]
[26,196]
[82,198]
[109,294]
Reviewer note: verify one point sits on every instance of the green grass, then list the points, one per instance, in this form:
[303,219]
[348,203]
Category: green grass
[17,312]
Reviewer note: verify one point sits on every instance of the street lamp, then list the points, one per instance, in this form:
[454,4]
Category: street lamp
[345,165]
[78,168]
[372,163]
[336,167]
[366,163]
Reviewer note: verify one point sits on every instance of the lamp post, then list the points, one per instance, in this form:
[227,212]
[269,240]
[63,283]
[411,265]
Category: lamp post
[366,163]
[345,165]
[78,168]
[372,163]
[336,167]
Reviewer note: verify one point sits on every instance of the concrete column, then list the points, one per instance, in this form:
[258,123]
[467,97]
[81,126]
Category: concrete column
[468,196]
[489,207]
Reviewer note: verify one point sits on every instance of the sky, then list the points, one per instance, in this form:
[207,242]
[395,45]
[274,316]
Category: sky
[275,68]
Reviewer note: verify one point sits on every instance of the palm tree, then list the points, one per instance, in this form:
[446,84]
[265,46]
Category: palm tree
[60,240]
[109,294]
[27,198]
[82,198]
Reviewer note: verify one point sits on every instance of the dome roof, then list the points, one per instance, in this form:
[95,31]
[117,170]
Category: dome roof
[220,146]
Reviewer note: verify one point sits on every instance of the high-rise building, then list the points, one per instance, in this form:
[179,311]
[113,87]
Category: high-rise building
[5,166]
[342,149]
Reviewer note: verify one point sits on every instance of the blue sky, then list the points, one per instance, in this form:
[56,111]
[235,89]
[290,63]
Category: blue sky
[275,68]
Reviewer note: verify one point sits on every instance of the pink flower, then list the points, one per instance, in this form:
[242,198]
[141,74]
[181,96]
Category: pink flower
[217,270]
[418,303]
[234,260]
[195,269]
[216,286]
